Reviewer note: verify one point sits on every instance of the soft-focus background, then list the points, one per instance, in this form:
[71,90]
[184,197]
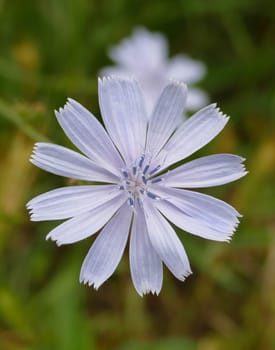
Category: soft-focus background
[50,50]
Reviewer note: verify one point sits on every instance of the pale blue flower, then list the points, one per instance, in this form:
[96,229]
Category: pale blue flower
[134,195]
[145,56]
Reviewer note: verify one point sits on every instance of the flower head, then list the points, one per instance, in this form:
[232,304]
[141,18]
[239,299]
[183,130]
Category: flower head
[136,195]
[145,56]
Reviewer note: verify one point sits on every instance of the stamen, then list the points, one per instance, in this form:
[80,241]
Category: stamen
[131,202]
[144,179]
[125,173]
[152,195]
[134,170]
[146,169]
[154,181]
[141,161]
[121,187]
[154,170]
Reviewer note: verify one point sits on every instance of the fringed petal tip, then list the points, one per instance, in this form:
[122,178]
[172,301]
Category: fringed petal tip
[36,147]
[96,285]
[185,274]
[242,160]
[217,113]
[29,206]
[90,283]
[179,83]
[68,106]
[33,215]
[60,111]
[57,241]
[217,110]
[245,171]
[32,208]
[70,103]
[148,291]
[57,113]
[229,237]
[34,151]
[235,225]
[49,237]
[117,78]
[220,114]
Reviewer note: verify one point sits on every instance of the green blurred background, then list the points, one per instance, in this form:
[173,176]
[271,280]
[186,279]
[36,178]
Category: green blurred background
[52,49]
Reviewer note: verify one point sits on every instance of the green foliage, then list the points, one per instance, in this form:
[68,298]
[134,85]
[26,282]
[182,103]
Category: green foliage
[50,50]
[162,344]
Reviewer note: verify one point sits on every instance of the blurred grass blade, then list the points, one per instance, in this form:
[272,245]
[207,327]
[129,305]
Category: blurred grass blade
[11,115]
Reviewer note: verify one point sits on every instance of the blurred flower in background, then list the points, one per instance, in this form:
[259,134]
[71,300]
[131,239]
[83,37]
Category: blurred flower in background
[135,184]
[145,55]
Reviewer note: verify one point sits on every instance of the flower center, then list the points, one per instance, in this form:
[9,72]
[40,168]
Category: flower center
[137,181]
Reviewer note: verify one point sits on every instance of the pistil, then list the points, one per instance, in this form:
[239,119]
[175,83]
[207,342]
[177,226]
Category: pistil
[136,181]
